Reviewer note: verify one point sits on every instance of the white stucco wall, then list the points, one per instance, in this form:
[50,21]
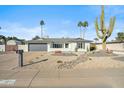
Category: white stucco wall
[116,46]
[23,47]
[71,47]
[112,46]
[87,47]
[2,48]
[99,47]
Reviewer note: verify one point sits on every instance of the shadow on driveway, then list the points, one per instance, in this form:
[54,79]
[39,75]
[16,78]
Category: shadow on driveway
[35,62]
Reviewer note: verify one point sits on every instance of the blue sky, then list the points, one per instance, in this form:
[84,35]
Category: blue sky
[60,21]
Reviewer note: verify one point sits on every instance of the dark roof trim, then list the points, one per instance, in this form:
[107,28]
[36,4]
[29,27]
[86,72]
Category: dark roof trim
[59,40]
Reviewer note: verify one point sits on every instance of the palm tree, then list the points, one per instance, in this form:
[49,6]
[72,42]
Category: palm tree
[42,23]
[84,25]
[80,26]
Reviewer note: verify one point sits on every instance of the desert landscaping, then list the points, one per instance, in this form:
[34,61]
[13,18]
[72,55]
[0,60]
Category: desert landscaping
[51,54]
[42,69]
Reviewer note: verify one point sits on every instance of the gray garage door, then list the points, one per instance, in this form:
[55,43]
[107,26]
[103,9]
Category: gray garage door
[37,47]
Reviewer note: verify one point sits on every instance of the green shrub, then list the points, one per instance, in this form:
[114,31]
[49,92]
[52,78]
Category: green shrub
[92,48]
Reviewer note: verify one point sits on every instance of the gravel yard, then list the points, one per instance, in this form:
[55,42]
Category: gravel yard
[41,70]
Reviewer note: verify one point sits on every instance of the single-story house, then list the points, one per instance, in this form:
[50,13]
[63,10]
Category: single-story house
[59,44]
[113,45]
[12,45]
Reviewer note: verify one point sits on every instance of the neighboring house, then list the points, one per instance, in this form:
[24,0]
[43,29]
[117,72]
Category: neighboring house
[114,45]
[59,44]
[13,42]
[1,43]
[2,46]
[12,45]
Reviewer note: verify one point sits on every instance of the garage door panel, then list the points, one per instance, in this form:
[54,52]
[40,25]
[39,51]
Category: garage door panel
[37,47]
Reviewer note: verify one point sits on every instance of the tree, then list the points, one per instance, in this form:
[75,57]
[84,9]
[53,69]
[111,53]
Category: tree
[120,36]
[12,38]
[85,25]
[96,39]
[9,38]
[105,32]
[41,24]
[82,25]
[5,41]
[23,41]
[36,37]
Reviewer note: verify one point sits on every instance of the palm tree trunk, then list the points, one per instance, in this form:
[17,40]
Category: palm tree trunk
[84,33]
[5,43]
[80,33]
[41,32]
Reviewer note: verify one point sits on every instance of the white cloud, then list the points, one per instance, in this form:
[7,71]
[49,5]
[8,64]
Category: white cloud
[20,31]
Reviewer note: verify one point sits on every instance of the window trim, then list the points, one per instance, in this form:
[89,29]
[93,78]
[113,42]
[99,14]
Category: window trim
[56,45]
[81,45]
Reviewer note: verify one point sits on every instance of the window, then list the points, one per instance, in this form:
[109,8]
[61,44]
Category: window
[81,45]
[66,45]
[56,46]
